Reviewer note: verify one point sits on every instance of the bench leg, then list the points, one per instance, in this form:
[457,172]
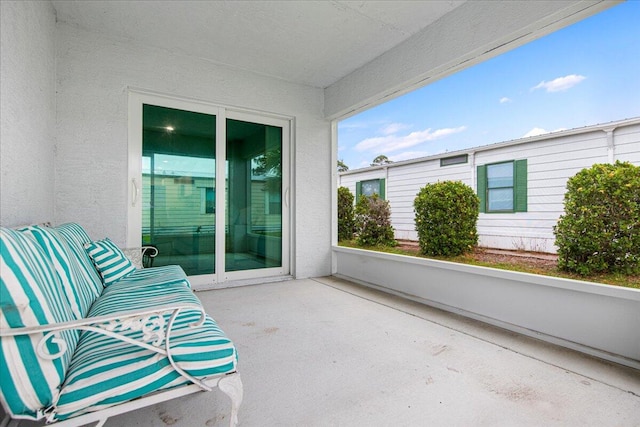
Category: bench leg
[231,385]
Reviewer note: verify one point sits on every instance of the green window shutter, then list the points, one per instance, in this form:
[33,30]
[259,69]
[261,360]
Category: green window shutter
[383,188]
[358,190]
[520,186]
[482,187]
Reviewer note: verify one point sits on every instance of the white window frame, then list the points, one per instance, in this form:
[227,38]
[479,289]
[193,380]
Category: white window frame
[221,278]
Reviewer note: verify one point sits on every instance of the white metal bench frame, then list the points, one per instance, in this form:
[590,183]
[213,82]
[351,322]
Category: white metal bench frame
[156,337]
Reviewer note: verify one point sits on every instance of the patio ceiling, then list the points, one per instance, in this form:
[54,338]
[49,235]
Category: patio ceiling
[315,43]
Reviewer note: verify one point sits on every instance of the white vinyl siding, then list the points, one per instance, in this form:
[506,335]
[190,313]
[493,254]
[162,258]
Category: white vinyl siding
[551,161]
[403,185]
[627,141]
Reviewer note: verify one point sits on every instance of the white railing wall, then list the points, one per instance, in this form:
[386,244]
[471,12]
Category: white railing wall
[600,320]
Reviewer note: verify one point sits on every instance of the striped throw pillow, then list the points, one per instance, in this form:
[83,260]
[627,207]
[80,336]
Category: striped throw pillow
[30,295]
[110,261]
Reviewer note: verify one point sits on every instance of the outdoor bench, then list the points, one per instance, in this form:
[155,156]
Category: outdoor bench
[84,335]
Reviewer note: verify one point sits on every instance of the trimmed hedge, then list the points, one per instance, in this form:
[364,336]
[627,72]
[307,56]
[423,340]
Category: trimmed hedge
[446,216]
[346,222]
[600,229]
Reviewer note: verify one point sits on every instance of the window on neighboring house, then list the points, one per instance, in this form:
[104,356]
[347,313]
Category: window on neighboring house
[273,203]
[370,187]
[207,200]
[454,160]
[502,187]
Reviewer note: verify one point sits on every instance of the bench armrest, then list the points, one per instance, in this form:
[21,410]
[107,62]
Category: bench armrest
[141,257]
[152,322]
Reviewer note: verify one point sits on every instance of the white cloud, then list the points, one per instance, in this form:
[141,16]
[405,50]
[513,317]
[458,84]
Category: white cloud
[393,128]
[390,143]
[504,99]
[540,131]
[535,132]
[560,84]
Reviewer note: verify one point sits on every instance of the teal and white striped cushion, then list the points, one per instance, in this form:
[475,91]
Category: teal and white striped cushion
[75,280]
[119,298]
[163,275]
[30,295]
[106,371]
[74,232]
[111,262]
[76,239]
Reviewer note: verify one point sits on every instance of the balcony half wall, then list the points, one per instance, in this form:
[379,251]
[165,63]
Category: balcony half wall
[599,320]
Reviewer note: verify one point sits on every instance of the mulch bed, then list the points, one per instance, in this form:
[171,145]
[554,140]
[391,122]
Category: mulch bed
[544,261]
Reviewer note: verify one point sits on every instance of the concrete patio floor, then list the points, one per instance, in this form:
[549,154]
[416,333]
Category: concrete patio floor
[326,352]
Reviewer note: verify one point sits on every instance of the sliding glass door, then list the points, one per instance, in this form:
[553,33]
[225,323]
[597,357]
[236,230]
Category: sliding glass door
[178,187]
[208,189]
[254,196]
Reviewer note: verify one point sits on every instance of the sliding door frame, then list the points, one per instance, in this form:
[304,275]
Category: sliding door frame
[221,278]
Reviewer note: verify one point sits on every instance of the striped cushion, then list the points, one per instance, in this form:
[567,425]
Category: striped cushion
[75,280]
[164,275]
[111,262]
[74,233]
[106,371]
[76,239]
[119,298]
[30,295]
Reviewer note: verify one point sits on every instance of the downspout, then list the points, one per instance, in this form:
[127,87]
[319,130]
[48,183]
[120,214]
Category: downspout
[386,181]
[472,163]
[611,146]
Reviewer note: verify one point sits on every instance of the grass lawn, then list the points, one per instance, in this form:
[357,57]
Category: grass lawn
[525,262]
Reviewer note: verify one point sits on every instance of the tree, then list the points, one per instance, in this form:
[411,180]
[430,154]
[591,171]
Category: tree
[381,160]
[270,165]
[342,166]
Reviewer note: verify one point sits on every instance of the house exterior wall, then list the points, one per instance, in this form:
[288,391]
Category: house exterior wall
[626,144]
[28,105]
[184,203]
[93,74]
[551,161]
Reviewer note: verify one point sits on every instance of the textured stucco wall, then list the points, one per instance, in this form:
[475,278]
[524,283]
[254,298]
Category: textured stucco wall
[93,74]
[472,33]
[27,105]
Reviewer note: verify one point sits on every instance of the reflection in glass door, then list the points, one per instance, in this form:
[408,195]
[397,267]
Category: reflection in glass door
[179,187]
[254,196]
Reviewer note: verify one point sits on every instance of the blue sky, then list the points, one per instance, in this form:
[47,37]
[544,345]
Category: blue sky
[585,74]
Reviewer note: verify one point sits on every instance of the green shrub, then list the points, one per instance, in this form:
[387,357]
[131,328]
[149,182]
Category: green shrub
[346,224]
[446,216]
[373,222]
[600,228]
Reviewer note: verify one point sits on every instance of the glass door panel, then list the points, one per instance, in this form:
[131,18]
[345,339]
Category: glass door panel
[179,187]
[253,202]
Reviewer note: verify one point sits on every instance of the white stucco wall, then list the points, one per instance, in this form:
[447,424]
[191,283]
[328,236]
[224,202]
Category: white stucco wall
[93,74]
[472,33]
[27,97]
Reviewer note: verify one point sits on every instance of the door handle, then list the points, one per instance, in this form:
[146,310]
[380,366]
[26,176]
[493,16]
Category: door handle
[134,192]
